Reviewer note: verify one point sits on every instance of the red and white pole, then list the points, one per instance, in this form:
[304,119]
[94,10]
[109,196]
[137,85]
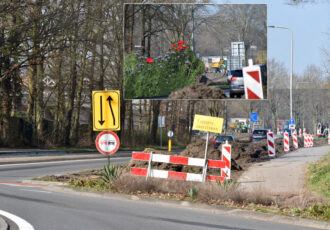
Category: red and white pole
[271,144]
[294,139]
[300,132]
[286,142]
[328,139]
[226,157]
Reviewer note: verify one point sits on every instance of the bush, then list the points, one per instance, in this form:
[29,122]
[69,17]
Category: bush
[176,69]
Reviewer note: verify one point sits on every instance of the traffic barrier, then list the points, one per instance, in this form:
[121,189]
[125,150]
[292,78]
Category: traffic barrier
[286,141]
[294,139]
[200,162]
[252,82]
[271,144]
[305,140]
[226,158]
[300,133]
[308,140]
[312,141]
[328,139]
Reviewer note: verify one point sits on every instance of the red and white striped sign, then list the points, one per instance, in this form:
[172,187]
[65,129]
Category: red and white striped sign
[177,160]
[305,140]
[286,141]
[226,158]
[304,131]
[252,82]
[308,140]
[300,133]
[294,139]
[271,144]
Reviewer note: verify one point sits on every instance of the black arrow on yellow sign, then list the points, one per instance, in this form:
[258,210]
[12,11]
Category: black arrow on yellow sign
[109,99]
[101,121]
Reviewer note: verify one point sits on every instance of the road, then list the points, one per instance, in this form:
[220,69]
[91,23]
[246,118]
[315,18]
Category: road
[60,208]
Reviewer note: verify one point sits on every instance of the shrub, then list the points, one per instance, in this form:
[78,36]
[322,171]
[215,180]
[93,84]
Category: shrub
[176,69]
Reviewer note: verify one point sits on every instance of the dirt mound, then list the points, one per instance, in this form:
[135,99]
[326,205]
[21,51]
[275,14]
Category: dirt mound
[197,91]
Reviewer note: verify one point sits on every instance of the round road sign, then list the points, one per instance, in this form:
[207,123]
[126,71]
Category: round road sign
[107,142]
[170,133]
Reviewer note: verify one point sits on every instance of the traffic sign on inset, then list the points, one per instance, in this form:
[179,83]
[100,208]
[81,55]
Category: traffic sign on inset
[291,121]
[252,82]
[254,117]
[107,142]
[106,110]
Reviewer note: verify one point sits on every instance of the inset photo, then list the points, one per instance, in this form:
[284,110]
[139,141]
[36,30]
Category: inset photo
[195,51]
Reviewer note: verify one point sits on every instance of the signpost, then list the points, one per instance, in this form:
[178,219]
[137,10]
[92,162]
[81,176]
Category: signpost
[207,124]
[161,125]
[107,143]
[106,110]
[170,135]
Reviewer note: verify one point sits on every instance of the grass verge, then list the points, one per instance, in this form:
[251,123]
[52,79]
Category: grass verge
[318,180]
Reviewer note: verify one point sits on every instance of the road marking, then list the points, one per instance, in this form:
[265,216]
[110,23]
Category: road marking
[22,224]
[20,184]
[58,162]
[30,190]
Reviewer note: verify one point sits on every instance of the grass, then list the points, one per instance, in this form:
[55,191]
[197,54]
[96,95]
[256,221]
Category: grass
[318,180]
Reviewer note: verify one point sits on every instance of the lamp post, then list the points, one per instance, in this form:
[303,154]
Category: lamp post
[291,70]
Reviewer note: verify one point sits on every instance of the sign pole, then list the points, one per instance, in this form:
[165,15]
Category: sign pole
[161,135]
[205,159]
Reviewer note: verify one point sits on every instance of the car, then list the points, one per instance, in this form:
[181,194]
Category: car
[258,135]
[236,83]
[220,139]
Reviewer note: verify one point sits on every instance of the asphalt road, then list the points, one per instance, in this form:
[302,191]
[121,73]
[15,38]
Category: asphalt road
[48,209]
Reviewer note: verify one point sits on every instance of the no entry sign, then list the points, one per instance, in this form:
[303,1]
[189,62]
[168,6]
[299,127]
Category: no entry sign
[107,142]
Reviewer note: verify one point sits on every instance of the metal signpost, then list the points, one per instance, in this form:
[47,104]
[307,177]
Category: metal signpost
[207,124]
[161,125]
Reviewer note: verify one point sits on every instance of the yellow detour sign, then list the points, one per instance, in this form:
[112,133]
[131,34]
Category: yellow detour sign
[106,110]
[208,124]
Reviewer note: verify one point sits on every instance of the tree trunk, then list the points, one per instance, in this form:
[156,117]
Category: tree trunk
[154,127]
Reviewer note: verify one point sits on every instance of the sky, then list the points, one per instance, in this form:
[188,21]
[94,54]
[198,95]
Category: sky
[309,22]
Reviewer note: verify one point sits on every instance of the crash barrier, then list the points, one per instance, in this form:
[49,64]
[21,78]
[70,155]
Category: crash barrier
[286,141]
[300,133]
[271,144]
[224,165]
[308,140]
[295,139]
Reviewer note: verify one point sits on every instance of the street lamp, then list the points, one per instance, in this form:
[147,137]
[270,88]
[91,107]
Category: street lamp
[291,71]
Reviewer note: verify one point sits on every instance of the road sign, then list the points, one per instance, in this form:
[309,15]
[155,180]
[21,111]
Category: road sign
[170,133]
[161,121]
[106,110]
[107,142]
[252,82]
[208,124]
[254,117]
[292,126]
[291,121]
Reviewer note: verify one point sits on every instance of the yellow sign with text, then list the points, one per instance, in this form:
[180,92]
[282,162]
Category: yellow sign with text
[106,110]
[208,124]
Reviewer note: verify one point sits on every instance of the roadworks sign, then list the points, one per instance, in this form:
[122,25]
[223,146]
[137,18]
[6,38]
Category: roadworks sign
[208,124]
[106,110]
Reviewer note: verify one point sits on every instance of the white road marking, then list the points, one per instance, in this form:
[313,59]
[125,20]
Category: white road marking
[58,162]
[30,190]
[22,224]
[18,185]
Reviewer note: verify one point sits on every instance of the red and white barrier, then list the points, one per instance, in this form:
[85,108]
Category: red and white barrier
[294,139]
[252,82]
[226,158]
[278,131]
[148,172]
[300,133]
[304,132]
[328,139]
[308,140]
[271,144]
[286,141]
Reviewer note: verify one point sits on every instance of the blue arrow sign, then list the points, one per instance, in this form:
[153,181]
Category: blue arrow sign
[291,121]
[253,117]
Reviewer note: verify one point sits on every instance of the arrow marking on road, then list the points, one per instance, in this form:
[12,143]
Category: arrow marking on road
[113,116]
[101,121]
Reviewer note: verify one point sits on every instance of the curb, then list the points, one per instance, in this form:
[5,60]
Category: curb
[3,224]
